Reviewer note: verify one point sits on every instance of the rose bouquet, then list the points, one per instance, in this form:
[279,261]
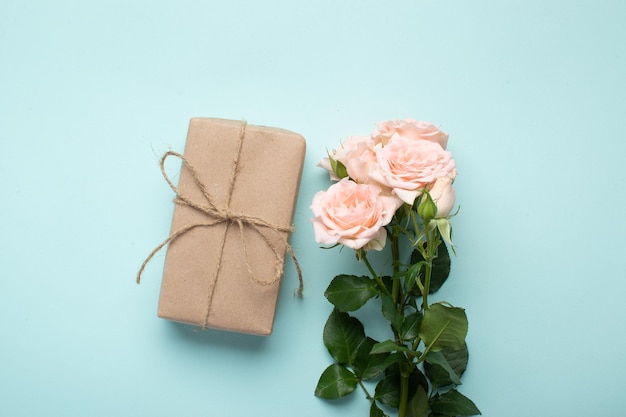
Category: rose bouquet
[394,189]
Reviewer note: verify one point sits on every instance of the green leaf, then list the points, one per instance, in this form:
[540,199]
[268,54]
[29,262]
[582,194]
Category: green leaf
[388,346]
[342,336]
[368,365]
[410,326]
[453,403]
[439,362]
[440,268]
[417,379]
[388,391]
[375,411]
[443,326]
[413,273]
[418,405]
[364,361]
[349,292]
[457,360]
[335,382]
[390,312]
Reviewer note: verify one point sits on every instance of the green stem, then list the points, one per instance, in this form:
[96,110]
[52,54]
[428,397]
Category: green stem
[427,275]
[377,278]
[416,343]
[369,266]
[395,256]
[396,288]
[367,394]
[398,299]
[404,390]
[432,242]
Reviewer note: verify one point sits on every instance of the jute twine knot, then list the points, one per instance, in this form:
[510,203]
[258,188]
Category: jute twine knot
[226,215]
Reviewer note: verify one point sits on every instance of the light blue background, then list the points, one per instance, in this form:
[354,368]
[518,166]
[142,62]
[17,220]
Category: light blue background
[533,94]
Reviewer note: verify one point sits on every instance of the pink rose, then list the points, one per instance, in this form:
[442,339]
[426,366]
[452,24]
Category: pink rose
[356,154]
[408,166]
[443,194]
[410,129]
[352,214]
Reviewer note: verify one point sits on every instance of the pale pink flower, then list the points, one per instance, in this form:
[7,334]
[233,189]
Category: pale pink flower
[353,215]
[410,129]
[443,194]
[407,166]
[356,154]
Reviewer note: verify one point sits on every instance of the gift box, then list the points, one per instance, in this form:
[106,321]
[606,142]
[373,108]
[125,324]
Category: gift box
[234,207]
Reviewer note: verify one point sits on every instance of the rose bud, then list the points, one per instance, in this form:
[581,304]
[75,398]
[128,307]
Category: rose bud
[444,195]
[427,209]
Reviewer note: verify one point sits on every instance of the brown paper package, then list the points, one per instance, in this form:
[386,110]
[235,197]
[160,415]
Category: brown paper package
[265,185]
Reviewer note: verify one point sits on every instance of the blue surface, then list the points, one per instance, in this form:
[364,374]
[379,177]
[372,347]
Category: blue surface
[533,94]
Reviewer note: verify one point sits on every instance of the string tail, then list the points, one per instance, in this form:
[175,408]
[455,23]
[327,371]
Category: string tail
[169,239]
[300,290]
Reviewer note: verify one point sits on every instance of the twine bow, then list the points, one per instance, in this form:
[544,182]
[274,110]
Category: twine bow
[225,215]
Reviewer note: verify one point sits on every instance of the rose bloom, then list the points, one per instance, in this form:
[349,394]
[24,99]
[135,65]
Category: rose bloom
[356,154]
[352,214]
[410,129]
[408,166]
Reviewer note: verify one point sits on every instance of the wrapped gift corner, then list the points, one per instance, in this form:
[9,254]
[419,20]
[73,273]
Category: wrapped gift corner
[226,273]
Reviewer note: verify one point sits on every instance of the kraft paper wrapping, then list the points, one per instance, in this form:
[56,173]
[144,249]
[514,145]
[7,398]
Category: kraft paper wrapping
[202,286]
